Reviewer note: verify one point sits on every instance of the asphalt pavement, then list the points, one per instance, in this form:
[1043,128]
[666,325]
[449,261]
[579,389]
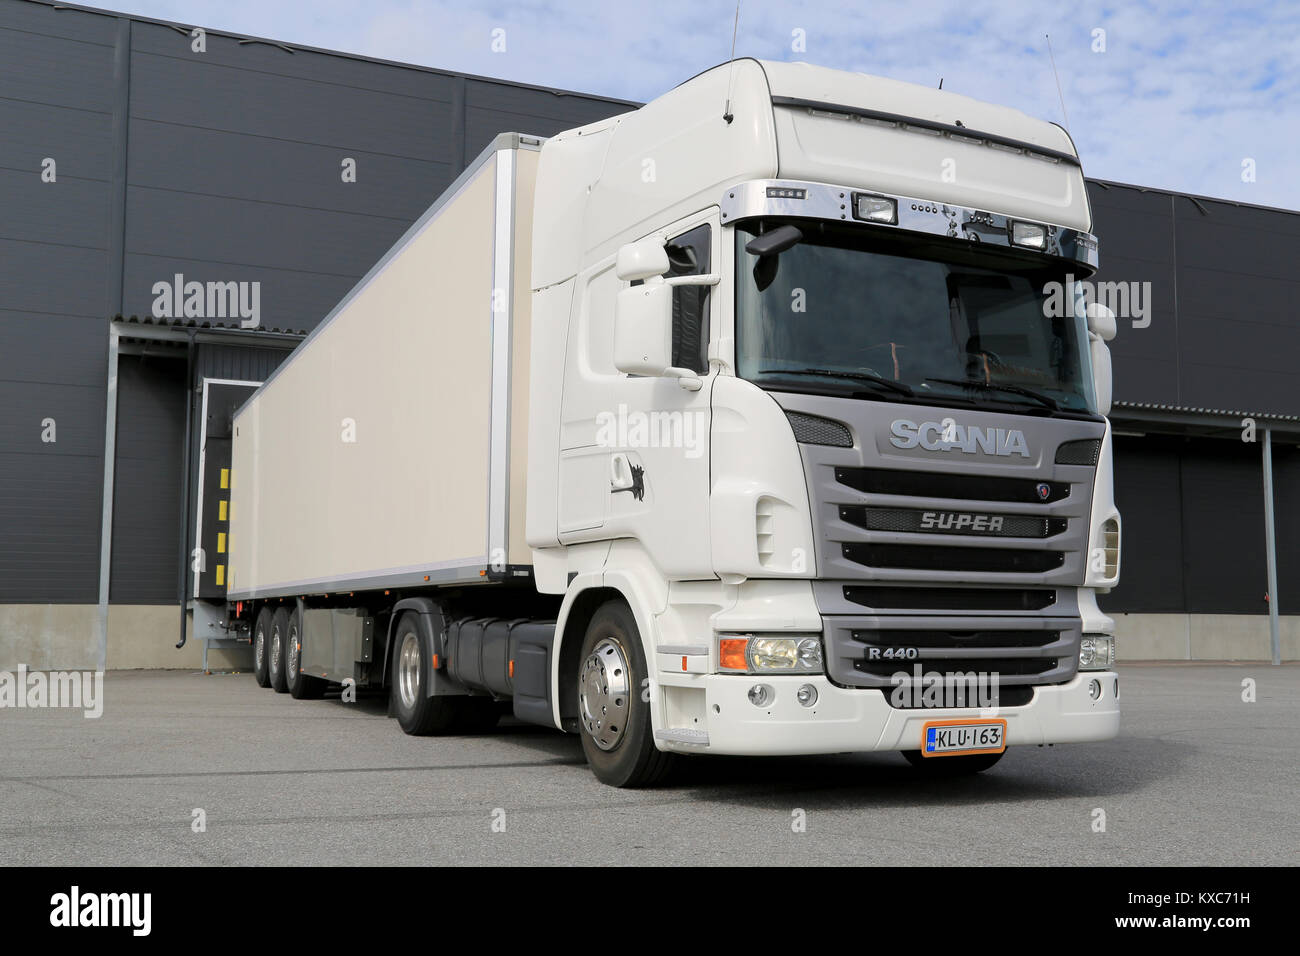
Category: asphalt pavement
[1197,776]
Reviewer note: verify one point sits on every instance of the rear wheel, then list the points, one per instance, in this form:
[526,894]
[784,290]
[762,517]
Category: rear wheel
[957,766]
[275,658]
[261,643]
[301,686]
[417,713]
[614,720]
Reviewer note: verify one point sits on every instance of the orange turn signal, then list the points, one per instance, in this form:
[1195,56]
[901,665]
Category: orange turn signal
[731,654]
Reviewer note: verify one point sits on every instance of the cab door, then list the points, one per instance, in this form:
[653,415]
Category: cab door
[634,458]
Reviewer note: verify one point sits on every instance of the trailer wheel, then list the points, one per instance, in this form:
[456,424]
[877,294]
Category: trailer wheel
[275,656]
[301,686]
[418,714]
[959,766]
[261,641]
[614,720]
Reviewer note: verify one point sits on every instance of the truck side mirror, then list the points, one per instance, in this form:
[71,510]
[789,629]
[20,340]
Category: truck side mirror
[643,259]
[643,333]
[1101,374]
[643,328]
[1101,320]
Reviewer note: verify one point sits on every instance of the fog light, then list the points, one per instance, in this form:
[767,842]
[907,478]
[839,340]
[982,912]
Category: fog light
[1094,689]
[807,695]
[760,695]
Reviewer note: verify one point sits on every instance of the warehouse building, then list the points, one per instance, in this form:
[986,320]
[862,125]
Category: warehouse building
[179,210]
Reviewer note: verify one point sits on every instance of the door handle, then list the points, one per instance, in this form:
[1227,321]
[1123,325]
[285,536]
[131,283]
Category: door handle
[620,472]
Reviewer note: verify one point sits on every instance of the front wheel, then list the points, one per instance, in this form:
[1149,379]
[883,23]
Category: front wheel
[957,766]
[613,713]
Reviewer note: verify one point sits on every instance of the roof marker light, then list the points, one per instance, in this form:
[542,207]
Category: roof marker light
[875,208]
[1031,235]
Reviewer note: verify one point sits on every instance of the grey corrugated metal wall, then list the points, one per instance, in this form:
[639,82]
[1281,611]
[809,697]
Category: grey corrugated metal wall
[221,166]
[1224,283]
[226,165]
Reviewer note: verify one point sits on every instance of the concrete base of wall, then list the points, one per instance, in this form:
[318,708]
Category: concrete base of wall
[65,637]
[140,636]
[1203,637]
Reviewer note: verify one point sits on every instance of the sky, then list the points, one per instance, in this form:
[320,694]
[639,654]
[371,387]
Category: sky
[1198,98]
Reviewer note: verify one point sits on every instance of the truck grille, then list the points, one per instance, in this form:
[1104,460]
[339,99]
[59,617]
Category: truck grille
[952,522]
[870,651]
[949,637]
[883,596]
[901,525]
[927,558]
[1003,667]
[928,484]
[948,560]
[1017,696]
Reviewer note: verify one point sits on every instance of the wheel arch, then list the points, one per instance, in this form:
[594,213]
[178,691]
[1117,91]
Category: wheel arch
[581,602]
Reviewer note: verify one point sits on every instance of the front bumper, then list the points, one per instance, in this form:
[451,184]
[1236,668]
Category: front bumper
[847,720]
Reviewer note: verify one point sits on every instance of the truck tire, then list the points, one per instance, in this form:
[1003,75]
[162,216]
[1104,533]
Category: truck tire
[275,655]
[261,647]
[614,721]
[301,686]
[959,766]
[418,714]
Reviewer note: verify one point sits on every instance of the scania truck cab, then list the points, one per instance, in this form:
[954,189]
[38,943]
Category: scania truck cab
[817,426]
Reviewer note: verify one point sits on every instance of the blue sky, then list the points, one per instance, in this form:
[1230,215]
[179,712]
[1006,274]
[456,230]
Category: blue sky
[1181,96]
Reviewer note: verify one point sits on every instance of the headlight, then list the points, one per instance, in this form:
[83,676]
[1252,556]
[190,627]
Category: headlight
[1096,652]
[755,654]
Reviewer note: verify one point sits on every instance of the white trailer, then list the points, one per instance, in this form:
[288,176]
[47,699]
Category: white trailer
[743,423]
[389,449]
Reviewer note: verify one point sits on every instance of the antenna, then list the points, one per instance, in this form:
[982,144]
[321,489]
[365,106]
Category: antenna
[1058,81]
[941,82]
[726,110]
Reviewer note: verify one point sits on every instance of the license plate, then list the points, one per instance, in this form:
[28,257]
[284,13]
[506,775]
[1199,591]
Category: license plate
[943,738]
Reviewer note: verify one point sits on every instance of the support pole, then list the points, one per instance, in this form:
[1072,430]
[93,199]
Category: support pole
[1270,547]
[106,517]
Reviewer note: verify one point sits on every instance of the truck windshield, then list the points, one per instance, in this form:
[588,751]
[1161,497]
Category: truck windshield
[844,306]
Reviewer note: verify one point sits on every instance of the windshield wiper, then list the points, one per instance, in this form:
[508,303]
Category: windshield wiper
[996,387]
[832,373]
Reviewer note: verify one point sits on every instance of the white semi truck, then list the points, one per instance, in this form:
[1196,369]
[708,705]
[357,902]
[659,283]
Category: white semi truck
[749,422]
